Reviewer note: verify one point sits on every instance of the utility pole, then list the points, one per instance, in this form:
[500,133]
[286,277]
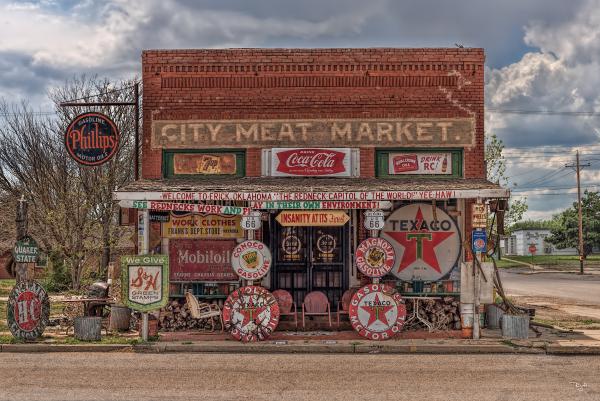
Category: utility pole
[578,166]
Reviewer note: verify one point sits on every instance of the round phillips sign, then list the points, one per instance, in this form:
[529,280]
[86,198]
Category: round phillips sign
[28,310]
[251,260]
[377,312]
[427,247]
[375,257]
[92,139]
[251,314]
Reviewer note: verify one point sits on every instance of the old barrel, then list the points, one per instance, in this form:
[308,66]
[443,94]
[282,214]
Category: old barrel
[493,314]
[120,317]
[515,326]
[87,328]
[466,319]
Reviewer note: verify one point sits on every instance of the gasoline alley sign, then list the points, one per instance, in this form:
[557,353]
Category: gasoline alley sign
[145,281]
[92,139]
[186,134]
[426,248]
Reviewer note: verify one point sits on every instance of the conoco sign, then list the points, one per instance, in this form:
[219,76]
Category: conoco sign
[251,260]
[92,139]
[427,246]
[251,314]
[377,312]
[28,310]
[375,257]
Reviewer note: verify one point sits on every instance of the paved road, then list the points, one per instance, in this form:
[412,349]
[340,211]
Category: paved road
[128,376]
[584,289]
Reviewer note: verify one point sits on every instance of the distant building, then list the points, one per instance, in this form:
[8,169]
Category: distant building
[519,241]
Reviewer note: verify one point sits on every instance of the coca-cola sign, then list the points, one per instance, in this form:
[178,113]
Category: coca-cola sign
[92,139]
[311,162]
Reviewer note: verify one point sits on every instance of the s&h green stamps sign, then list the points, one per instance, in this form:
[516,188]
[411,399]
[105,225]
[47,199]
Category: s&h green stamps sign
[145,281]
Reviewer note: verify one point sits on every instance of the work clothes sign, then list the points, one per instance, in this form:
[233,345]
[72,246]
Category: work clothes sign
[145,281]
[203,226]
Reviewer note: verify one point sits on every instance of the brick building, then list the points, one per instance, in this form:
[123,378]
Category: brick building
[312,138]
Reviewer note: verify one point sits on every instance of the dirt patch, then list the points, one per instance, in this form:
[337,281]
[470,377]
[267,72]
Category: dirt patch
[562,313]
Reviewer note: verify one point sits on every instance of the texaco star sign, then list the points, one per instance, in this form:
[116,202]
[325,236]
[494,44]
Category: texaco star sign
[377,312]
[251,314]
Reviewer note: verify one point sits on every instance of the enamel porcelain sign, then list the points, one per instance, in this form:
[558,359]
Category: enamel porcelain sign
[251,314]
[92,139]
[377,312]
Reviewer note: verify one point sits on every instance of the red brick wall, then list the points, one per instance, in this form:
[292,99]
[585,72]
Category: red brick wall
[312,83]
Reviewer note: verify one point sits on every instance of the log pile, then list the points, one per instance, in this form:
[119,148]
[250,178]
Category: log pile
[176,316]
[443,314]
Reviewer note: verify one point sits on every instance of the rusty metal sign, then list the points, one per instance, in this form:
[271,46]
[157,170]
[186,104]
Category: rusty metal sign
[92,139]
[478,215]
[377,312]
[375,257]
[251,260]
[251,314]
[28,310]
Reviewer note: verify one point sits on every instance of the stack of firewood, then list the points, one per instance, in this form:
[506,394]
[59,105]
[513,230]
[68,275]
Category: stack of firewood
[176,316]
[443,314]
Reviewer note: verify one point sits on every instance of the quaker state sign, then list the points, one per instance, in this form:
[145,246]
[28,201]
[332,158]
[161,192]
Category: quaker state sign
[92,139]
[375,257]
[251,314]
[28,310]
[145,281]
[427,248]
[377,312]
[251,260]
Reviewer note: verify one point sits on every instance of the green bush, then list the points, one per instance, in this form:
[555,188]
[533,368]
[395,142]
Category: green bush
[57,278]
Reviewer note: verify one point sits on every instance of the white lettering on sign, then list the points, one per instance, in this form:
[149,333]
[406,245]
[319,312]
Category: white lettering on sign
[420,163]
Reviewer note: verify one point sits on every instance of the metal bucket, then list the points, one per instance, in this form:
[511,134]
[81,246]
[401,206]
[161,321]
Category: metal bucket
[493,313]
[119,318]
[515,326]
[466,319]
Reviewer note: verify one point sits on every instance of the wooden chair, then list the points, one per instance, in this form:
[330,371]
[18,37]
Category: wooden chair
[315,304]
[204,311]
[286,304]
[344,304]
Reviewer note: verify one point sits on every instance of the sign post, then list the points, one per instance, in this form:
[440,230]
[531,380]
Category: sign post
[532,251]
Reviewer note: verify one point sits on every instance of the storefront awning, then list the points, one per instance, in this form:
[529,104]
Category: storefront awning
[306,189]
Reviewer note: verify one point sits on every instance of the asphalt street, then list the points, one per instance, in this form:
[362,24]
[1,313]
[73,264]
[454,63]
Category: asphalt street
[129,376]
[584,289]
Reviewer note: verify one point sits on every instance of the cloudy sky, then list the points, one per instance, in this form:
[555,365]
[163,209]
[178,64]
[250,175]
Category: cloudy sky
[541,55]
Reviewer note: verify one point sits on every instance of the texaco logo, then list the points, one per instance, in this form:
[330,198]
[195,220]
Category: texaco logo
[375,257]
[28,310]
[251,260]
[427,248]
[251,314]
[377,312]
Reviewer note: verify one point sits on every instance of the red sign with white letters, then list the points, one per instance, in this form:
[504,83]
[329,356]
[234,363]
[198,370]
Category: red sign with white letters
[311,162]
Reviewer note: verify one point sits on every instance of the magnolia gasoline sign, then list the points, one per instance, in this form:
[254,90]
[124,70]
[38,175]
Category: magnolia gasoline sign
[145,281]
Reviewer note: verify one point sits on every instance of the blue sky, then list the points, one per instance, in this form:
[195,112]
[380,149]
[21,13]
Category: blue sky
[541,55]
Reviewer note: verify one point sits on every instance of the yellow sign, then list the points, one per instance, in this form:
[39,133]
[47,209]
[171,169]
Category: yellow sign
[203,163]
[203,226]
[295,218]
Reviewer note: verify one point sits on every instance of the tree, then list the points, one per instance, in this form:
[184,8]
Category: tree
[565,231]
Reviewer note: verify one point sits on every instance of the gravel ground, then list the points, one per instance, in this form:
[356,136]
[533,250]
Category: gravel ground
[127,376]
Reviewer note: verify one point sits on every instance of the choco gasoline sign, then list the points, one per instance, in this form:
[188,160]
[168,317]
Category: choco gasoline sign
[427,248]
[145,281]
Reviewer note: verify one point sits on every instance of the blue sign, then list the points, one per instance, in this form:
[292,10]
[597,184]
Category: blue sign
[479,241]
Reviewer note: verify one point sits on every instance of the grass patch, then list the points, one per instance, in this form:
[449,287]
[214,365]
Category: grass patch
[6,287]
[566,261]
[3,325]
[572,324]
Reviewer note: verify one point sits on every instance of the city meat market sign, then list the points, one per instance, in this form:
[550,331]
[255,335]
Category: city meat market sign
[377,312]
[426,248]
[28,310]
[189,134]
[375,257]
[26,250]
[251,260]
[251,314]
[145,281]
[92,139]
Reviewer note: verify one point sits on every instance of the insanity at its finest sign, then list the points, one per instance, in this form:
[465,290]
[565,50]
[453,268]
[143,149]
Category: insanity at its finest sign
[375,257]
[251,314]
[144,281]
[450,132]
[420,163]
[311,162]
[204,163]
[201,260]
[290,218]
[28,310]
[251,260]
[203,226]
[92,139]
[427,247]
[377,312]
[26,250]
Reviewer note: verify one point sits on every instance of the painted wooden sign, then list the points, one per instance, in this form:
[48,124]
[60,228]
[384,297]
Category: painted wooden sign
[201,260]
[183,207]
[203,226]
[377,312]
[375,257]
[145,281]
[251,260]
[291,218]
[310,162]
[318,205]
[199,134]
[251,314]
[438,163]
[26,250]
[204,163]
[426,248]
[92,139]
[478,215]
[28,310]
